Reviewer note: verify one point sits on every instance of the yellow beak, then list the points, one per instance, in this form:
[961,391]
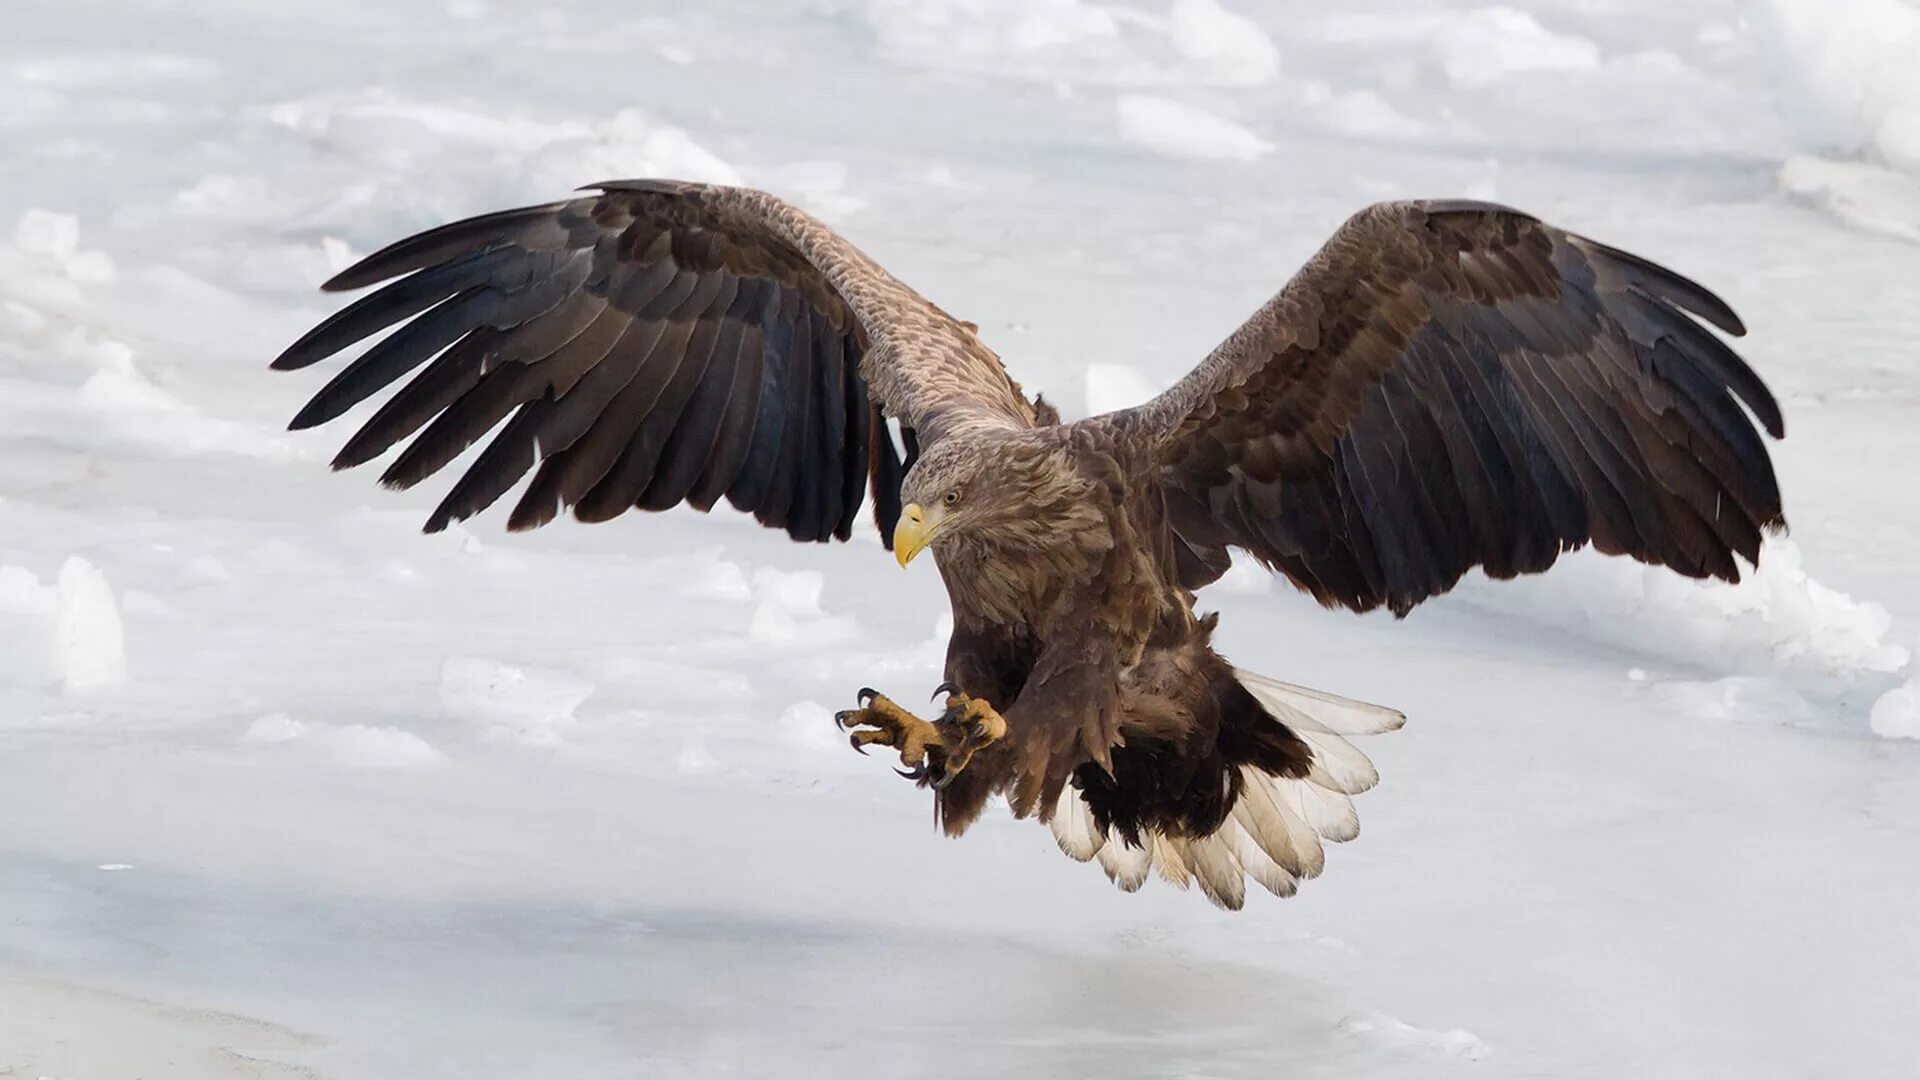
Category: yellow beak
[914,531]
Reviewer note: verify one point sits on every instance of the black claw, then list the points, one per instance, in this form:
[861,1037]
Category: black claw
[916,774]
[854,741]
[866,695]
[946,689]
[944,779]
[841,718]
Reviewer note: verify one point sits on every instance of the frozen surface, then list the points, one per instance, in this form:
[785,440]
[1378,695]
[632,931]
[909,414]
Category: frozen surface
[1851,87]
[291,789]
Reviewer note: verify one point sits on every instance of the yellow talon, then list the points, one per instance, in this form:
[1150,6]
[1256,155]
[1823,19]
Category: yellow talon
[935,752]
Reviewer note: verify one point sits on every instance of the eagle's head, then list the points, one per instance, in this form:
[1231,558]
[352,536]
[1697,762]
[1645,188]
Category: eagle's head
[994,489]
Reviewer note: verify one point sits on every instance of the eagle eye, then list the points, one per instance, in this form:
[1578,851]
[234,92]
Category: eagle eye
[951,497]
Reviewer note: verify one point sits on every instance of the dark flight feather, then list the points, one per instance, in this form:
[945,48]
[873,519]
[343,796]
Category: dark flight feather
[1451,385]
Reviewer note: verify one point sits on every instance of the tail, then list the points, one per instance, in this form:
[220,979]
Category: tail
[1274,830]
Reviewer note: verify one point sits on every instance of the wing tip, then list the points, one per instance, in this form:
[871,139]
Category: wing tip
[361,274]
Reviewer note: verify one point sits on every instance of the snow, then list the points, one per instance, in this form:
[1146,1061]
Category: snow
[1180,130]
[1896,715]
[974,31]
[1862,194]
[1852,89]
[1851,65]
[529,704]
[1475,47]
[1776,619]
[572,803]
[22,594]
[1110,387]
[352,745]
[1232,47]
[1453,1044]
[90,646]
[56,238]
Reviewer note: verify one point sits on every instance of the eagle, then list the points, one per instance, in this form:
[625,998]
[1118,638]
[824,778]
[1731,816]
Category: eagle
[1446,385]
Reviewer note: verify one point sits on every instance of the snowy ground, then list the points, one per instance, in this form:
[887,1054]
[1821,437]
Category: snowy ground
[287,789]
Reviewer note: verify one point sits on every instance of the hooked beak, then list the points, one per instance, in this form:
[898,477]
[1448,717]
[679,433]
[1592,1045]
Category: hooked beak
[915,531]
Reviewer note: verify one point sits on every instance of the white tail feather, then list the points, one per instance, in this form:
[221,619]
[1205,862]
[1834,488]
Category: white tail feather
[1328,712]
[1259,865]
[1074,828]
[1217,868]
[1275,831]
[1125,864]
[1284,831]
[1167,858]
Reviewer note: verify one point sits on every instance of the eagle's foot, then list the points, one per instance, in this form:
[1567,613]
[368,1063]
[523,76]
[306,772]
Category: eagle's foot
[935,752]
[880,722]
[968,724]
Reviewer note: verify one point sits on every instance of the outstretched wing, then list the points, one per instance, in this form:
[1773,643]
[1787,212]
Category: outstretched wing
[1453,384]
[655,342]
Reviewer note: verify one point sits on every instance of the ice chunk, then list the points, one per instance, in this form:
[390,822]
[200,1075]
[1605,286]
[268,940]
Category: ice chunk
[810,724]
[1362,114]
[22,594]
[140,411]
[274,728]
[354,745]
[1471,48]
[987,28]
[366,747]
[527,704]
[1862,194]
[1849,68]
[90,648]
[1180,130]
[43,232]
[1230,47]
[1454,1044]
[1777,619]
[1897,714]
[789,609]
[56,239]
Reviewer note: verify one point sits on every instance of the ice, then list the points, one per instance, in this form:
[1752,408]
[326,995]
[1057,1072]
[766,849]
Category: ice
[55,1028]
[1853,86]
[527,704]
[1863,194]
[1230,47]
[22,594]
[1453,1044]
[572,803]
[90,647]
[1245,577]
[931,30]
[810,724]
[1362,113]
[274,728]
[56,238]
[359,746]
[1110,387]
[1180,130]
[142,412]
[788,609]
[1778,618]
[1896,715]
[1473,47]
